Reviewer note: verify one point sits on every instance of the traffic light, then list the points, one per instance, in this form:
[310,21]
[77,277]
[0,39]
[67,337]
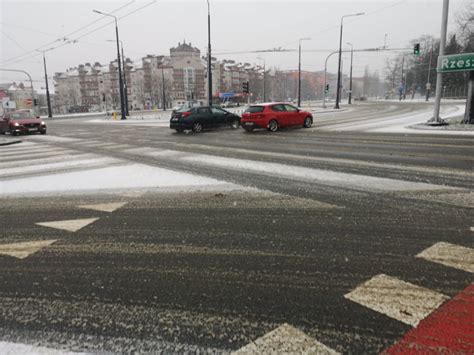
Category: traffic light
[326,88]
[416,49]
[245,87]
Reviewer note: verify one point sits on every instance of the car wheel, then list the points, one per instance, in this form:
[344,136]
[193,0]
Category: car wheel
[307,122]
[273,126]
[13,133]
[235,124]
[43,132]
[179,130]
[197,127]
[2,132]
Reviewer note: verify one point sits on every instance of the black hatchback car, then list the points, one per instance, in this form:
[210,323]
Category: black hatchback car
[203,117]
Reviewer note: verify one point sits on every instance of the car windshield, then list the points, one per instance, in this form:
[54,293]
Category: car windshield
[255,109]
[21,115]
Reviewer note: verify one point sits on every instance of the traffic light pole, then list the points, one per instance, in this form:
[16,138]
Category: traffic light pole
[48,99]
[436,120]
[428,84]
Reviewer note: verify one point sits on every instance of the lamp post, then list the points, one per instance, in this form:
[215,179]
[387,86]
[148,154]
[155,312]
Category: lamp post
[340,55]
[349,101]
[264,77]
[48,98]
[209,60]
[299,69]
[125,88]
[163,86]
[122,100]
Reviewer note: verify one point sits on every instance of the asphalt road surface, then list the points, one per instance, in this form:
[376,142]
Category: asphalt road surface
[320,240]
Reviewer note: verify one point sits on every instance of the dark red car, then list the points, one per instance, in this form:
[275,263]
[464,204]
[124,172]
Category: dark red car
[274,116]
[21,122]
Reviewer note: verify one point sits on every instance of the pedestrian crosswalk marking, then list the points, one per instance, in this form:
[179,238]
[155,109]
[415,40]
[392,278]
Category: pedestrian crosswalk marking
[451,255]
[24,249]
[397,299]
[71,225]
[285,340]
[104,207]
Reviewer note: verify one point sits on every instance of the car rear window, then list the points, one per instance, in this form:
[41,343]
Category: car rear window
[183,109]
[255,109]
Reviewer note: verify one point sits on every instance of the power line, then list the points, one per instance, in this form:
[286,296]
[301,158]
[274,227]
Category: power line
[62,38]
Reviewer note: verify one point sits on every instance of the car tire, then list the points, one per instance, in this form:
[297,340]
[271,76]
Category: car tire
[197,127]
[235,124]
[42,132]
[272,126]
[2,132]
[13,133]
[308,121]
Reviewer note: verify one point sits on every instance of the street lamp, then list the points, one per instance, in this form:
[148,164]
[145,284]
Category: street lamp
[209,61]
[122,101]
[125,89]
[299,69]
[340,55]
[349,101]
[48,99]
[264,77]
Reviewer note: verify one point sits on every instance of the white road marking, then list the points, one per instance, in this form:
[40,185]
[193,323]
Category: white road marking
[7,348]
[35,151]
[451,255]
[397,299]
[108,178]
[24,249]
[33,155]
[167,153]
[86,163]
[104,207]
[53,159]
[71,225]
[118,147]
[361,182]
[285,340]
[50,138]
[141,151]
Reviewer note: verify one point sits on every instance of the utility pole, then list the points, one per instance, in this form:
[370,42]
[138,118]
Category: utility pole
[436,120]
[122,99]
[401,89]
[299,70]
[209,56]
[48,99]
[428,84]
[469,115]
[163,85]
[125,88]
[340,55]
[349,101]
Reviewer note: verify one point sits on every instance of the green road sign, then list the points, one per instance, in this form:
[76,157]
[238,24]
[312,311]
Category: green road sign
[455,62]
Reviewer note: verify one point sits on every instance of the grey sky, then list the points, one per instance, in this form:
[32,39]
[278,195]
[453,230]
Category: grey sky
[237,26]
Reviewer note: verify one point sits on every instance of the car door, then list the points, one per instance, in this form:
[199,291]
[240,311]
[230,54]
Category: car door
[4,123]
[219,116]
[279,113]
[204,116]
[293,115]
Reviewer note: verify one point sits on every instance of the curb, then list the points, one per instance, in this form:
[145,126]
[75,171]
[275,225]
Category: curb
[10,142]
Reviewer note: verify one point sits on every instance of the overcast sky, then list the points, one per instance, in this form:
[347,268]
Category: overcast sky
[237,26]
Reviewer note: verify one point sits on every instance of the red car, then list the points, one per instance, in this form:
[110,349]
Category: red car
[275,115]
[21,122]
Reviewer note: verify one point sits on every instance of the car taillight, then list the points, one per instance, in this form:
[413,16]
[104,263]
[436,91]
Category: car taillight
[186,114]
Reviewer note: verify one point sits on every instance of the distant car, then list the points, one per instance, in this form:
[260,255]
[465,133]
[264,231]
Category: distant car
[199,118]
[274,116]
[21,122]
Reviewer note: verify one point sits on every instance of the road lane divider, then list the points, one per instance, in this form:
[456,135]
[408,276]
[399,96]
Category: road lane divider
[22,250]
[448,330]
[104,207]
[451,255]
[71,225]
[397,299]
[285,340]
